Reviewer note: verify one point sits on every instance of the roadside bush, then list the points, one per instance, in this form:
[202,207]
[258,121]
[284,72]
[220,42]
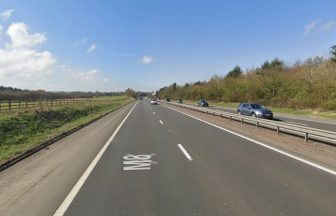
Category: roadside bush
[14,130]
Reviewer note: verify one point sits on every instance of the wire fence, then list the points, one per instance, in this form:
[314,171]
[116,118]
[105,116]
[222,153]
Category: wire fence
[40,104]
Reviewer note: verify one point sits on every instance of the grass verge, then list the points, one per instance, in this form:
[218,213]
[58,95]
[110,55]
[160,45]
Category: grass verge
[22,131]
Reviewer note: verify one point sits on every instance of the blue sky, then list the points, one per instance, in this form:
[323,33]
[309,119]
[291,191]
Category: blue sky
[146,44]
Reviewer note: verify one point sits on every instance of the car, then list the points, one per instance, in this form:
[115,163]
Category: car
[179,101]
[254,110]
[154,102]
[203,103]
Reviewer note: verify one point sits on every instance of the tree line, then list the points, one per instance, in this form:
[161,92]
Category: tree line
[15,94]
[307,84]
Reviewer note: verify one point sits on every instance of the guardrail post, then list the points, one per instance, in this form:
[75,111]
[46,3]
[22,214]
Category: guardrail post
[242,121]
[278,130]
[306,137]
[257,125]
[221,115]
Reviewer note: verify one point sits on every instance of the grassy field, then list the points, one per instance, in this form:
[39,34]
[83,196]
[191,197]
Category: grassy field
[20,131]
[299,112]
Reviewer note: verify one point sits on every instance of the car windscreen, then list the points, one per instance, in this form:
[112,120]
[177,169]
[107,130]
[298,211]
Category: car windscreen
[256,106]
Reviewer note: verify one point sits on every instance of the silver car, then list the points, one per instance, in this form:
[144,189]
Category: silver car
[254,110]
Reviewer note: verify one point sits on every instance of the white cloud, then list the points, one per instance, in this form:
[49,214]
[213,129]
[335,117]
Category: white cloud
[7,14]
[147,59]
[24,65]
[310,26]
[321,26]
[18,33]
[1,28]
[92,48]
[19,58]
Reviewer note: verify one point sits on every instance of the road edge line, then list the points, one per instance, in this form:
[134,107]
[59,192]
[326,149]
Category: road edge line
[74,191]
[330,171]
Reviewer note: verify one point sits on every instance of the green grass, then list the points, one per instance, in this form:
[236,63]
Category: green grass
[290,111]
[17,106]
[305,112]
[22,131]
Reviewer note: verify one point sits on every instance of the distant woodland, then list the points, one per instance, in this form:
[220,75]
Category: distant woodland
[14,94]
[305,84]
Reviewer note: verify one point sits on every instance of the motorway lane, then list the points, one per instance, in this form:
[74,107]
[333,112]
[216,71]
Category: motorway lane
[227,176]
[323,125]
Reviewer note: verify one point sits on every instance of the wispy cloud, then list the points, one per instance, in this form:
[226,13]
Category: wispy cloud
[81,41]
[310,26]
[147,59]
[90,76]
[7,14]
[92,48]
[328,26]
[318,25]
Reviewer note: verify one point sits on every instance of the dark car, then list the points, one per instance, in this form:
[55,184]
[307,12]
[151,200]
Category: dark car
[179,101]
[254,110]
[203,103]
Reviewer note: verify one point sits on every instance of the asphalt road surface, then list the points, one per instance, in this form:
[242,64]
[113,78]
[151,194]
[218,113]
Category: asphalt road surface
[324,124]
[162,162]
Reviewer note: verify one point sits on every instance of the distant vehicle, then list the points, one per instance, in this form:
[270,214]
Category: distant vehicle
[154,102]
[203,103]
[179,101]
[167,99]
[254,110]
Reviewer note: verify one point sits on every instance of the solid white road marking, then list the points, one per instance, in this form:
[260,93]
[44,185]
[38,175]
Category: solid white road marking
[333,172]
[66,203]
[296,123]
[184,152]
[161,122]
